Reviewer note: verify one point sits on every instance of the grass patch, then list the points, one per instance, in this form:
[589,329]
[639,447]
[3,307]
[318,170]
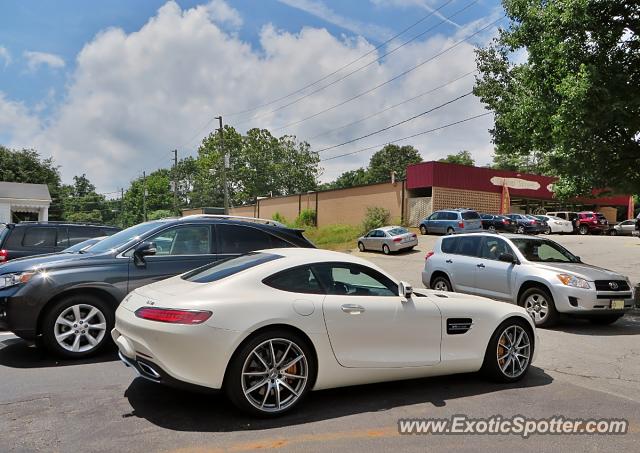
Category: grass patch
[334,237]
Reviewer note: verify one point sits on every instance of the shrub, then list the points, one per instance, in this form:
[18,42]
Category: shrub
[375,217]
[279,218]
[307,218]
[160,214]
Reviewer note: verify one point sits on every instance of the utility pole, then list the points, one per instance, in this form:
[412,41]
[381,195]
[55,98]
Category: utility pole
[122,207]
[225,166]
[144,195]
[175,181]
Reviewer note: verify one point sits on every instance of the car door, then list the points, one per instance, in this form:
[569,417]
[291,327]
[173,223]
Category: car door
[432,223]
[371,326]
[628,227]
[494,278]
[367,240]
[464,261]
[376,239]
[178,250]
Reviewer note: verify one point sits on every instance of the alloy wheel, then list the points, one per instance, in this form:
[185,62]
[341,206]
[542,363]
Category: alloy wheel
[520,230]
[538,307]
[492,229]
[274,375]
[80,328]
[514,351]
[441,285]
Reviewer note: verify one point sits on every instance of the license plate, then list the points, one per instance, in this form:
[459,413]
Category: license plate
[617,304]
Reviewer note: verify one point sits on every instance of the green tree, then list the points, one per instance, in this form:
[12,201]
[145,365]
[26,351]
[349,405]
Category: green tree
[461,158]
[574,104]
[159,197]
[350,178]
[81,203]
[392,158]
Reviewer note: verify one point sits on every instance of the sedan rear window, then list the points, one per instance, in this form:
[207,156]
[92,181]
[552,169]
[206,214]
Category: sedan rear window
[398,231]
[225,268]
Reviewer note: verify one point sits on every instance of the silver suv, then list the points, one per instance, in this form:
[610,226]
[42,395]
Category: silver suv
[536,273]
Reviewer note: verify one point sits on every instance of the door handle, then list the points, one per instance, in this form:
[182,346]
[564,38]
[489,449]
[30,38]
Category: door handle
[352,309]
[449,261]
[480,265]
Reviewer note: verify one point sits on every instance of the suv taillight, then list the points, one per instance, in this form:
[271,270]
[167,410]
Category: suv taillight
[173,316]
[429,255]
[4,256]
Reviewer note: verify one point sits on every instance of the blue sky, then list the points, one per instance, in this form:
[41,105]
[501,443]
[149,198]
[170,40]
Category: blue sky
[42,73]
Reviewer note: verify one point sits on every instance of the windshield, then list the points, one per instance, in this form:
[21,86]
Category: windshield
[80,246]
[225,268]
[544,251]
[122,237]
[398,231]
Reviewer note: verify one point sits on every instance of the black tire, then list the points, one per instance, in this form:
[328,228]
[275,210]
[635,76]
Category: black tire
[361,247]
[87,302]
[583,230]
[547,230]
[491,229]
[613,232]
[233,384]
[604,320]
[551,316]
[423,230]
[385,249]
[441,280]
[450,231]
[491,366]
[520,229]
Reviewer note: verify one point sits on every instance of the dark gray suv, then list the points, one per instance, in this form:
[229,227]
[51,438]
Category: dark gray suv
[67,301]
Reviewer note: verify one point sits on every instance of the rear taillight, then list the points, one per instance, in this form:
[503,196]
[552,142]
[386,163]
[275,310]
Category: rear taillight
[4,256]
[173,316]
[397,239]
[414,235]
[505,221]
[461,224]
[429,255]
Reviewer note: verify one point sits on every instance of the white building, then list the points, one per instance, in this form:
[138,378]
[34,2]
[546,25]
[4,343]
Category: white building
[19,197]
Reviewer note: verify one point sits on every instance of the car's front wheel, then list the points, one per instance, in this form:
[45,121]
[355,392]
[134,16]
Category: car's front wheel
[539,304]
[508,355]
[77,326]
[441,283]
[271,373]
[361,246]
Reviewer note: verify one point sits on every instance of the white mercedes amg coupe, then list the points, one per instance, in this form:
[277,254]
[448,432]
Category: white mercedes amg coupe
[269,326]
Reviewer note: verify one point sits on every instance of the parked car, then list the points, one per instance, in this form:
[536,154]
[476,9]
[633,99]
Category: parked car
[495,222]
[626,228]
[388,239]
[556,224]
[451,221]
[233,328]
[566,215]
[535,273]
[590,222]
[68,300]
[527,224]
[18,240]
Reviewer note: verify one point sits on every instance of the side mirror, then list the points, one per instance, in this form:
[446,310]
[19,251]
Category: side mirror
[405,290]
[143,249]
[507,258]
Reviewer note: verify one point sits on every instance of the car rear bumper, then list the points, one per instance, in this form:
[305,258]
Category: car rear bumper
[397,246]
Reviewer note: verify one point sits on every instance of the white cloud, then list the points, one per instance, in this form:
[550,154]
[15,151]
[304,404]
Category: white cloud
[5,55]
[37,59]
[222,13]
[135,96]
[321,10]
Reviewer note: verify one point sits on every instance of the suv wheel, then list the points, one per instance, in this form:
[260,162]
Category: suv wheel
[509,352]
[583,229]
[539,304]
[491,229]
[77,326]
[423,229]
[450,231]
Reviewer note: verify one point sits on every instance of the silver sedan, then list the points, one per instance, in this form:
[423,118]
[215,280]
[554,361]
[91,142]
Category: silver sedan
[388,239]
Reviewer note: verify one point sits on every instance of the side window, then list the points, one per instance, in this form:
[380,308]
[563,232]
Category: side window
[354,280]
[449,245]
[238,239]
[78,234]
[380,234]
[184,240]
[562,215]
[434,216]
[296,280]
[39,237]
[452,216]
[492,248]
[487,217]
[469,245]
[62,239]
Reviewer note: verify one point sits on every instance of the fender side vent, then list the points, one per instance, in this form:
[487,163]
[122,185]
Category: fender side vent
[457,326]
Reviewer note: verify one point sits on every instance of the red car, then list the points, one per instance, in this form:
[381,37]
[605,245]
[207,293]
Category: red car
[591,222]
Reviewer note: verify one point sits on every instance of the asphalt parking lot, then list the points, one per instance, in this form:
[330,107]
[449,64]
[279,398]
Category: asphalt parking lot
[582,371]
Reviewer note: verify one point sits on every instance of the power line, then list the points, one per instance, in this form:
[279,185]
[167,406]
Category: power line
[419,21]
[407,137]
[277,109]
[380,85]
[391,107]
[426,112]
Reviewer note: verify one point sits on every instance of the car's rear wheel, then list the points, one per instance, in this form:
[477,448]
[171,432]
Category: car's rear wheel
[385,249]
[450,231]
[547,230]
[441,283]
[77,326]
[361,246]
[605,320]
[539,304]
[423,230]
[271,373]
[583,230]
[520,229]
[491,229]
[613,232]
[508,355]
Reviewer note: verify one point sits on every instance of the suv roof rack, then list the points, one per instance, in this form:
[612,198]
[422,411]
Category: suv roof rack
[236,217]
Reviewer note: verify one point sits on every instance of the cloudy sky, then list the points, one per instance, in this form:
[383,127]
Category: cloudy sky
[110,88]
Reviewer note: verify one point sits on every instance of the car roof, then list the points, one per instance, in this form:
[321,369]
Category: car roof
[388,228]
[296,256]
